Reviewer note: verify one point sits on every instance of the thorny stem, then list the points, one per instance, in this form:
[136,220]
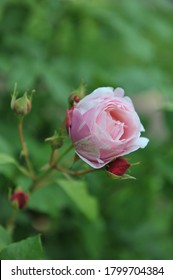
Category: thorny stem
[24,149]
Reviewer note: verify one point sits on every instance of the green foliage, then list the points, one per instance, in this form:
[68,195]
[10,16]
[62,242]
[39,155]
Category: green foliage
[5,238]
[48,200]
[78,194]
[28,249]
[6,159]
[52,46]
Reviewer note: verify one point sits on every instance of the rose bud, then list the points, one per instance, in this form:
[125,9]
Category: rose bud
[118,167]
[73,100]
[21,198]
[77,95]
[104,125]
[76,99]
[56,141]
[22,105]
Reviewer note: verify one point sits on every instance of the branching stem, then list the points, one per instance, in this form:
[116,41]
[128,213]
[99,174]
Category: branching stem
[74,173]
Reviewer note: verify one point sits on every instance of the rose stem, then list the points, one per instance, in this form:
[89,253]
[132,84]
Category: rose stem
[24,149]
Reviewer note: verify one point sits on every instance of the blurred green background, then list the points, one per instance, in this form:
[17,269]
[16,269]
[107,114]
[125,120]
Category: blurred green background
[52,46]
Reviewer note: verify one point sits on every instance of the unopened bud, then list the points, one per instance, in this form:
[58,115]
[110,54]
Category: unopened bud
[20,199]
[77,95]
[73,100]
[22,105]
[76,98]
[56,141]
[118,167]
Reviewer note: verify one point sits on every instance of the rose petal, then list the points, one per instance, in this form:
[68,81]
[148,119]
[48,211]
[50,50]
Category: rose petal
[119,92]
[79,129]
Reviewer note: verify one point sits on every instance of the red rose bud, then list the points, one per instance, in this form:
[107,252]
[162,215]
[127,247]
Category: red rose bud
[73,100]
[77,95]
[118,167]
[20,198]
[76,98]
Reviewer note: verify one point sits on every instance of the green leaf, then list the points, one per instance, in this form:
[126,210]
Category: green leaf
[28,249]
[4,145]
[79,195]
[48,200]
[5,238]
[6,159]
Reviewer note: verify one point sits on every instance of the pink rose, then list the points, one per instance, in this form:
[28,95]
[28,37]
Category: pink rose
[104,125]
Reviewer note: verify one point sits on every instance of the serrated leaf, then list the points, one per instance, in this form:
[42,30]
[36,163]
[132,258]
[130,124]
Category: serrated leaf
[6,159]
[5,238]
[28,249]
[81,198]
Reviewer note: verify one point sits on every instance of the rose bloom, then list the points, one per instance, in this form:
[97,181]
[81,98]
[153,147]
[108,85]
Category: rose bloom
[103,126]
